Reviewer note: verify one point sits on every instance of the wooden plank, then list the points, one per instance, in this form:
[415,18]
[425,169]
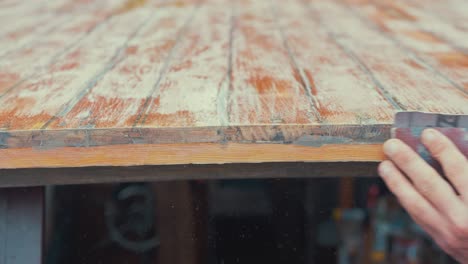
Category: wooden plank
[21,225]
[33,59]
[262,59]
[10,8]
[281,134]
[410,31]
[58,176]
[40,18]
[197,75]
[263,88]
[325,67]
[79,69]
[446,19]
[119,98]
[393,68]
[190,153]
[26,33]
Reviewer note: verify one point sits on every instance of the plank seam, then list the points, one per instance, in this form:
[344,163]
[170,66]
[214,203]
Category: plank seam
[405,49]
[143,114]
[379,86]
[223,97]
[305,84]
[56,56]
[116,59]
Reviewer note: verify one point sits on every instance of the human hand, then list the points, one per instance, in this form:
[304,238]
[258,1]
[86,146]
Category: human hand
[427,197]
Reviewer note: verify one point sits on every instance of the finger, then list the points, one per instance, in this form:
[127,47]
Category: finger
[453,162]
[424,178]
[433,231]
[415,204]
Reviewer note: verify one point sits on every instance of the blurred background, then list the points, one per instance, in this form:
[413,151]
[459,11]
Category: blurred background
[320,220]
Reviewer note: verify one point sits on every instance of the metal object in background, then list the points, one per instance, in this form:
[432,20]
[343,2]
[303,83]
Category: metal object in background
[130,218]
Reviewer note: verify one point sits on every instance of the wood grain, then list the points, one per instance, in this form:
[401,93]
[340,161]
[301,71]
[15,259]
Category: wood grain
[264,87]
[393,68]
[125,93]
[90,84]
[171,154]
[323,66]
[416,34]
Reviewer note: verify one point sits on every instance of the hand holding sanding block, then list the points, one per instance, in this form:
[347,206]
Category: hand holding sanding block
[408,127]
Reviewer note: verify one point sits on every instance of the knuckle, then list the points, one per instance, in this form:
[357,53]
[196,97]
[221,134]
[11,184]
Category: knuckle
[454,168]
[439,149]
[425,186]
[405,158]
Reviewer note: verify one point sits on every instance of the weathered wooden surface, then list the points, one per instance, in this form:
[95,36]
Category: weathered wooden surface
[148,82]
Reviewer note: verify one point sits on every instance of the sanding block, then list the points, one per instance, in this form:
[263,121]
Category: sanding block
[408,127]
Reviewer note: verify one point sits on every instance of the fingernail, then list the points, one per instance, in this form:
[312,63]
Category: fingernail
[429,135]
[390,147]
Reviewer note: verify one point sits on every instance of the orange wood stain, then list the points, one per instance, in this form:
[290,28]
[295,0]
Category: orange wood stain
[86,26]
[380,21]
[266,84]
[184,118]
[172,154]
[69,6]
[100,105]
[192,83]
[311,82]
[309,77]
[68,66]
[392,10]
[21,33]
[414,64]
[182,66]
[157,52]
[262,39]
[130,5]
[98,110]
[452,59]
[132,50]
[174,3]
[423,36]
[22,120]
[385,12]
[7,80]
[321,61]
[262,73]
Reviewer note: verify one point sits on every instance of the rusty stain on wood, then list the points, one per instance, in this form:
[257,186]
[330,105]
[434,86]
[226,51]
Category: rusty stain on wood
[131,4]
[137,77]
